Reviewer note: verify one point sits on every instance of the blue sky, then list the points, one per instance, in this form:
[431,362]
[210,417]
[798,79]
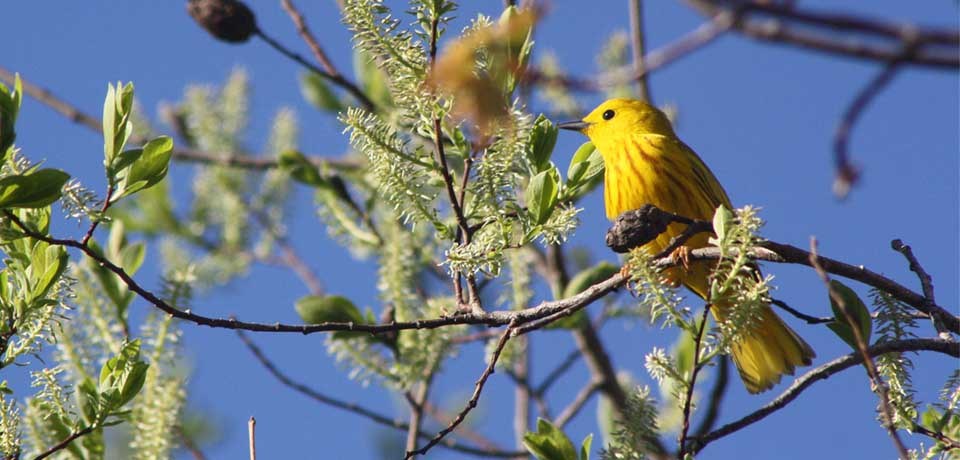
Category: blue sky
[761,116]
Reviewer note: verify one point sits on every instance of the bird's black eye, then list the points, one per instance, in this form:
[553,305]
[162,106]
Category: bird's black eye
[608,114]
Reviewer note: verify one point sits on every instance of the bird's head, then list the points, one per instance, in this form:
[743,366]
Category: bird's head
[618,117]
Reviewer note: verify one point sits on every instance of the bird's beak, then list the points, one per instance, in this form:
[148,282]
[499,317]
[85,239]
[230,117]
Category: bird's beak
[578,125]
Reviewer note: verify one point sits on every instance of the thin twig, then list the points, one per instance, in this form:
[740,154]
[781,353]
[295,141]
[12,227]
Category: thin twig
[926,282]
[416,402]
[189,444]
[688,399]
[472,403]
[799,314]
[66,442]
[521,393]
[558,372]
[252,437]
[638,47]
[716,397]
[335,78]
[74,114]
[357,409]
[822,373]
[308,37]
[877,384]
[819,31]
[846,174]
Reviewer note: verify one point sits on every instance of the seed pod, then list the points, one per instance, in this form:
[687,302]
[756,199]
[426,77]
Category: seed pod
[227,20]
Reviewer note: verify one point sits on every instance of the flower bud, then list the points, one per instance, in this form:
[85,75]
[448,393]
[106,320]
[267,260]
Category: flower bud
[227,20]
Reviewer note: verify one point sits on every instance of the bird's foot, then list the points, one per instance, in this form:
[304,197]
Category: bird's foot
[681,255]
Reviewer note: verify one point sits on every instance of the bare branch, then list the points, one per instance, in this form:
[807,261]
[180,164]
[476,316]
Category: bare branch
[846,174]
[360,410]
[638,46]
[66,442]
[688,399]
[819,31]
[877,384]
[478,389]
[580,400]
[822,373]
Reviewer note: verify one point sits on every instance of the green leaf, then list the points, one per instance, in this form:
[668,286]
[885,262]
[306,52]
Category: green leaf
[315,309]
[857,311]
[541,195]
[121,378]
[543,137]
[46,275]
[317,93]
[144,168]
[89,401]
[9,109]
[585,447]
[301,169]
[116,122]
[35,190]
[549,443]
[722,220]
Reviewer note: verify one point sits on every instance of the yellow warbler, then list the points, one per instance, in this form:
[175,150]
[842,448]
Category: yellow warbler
[647,163]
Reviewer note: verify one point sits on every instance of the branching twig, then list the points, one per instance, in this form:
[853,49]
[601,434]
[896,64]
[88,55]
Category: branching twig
[478,389]
[688,399]
[847,174]
[716,397]
[926,283]
[877,384]
[798,314]
[638,46]
[360,410]
[66,442]
[819,32]
[822,373]
[187,155]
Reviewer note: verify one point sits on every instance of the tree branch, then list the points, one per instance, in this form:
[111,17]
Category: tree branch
[74,114]
[66,442]
[877,384]
[360,410]
[822,373]
[819,32]
[478,388]
[638,46]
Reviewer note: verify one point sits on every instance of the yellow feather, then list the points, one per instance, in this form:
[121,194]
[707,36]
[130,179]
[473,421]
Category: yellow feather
[647,163]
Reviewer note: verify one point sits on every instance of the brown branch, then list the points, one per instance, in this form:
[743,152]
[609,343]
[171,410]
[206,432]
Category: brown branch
[636,228]
[189,444]
[822,373]
[308,37]
[877,384]
[950,443]
[472,403]
[416,402]
[74,114]
[926,283]
[66,442]
[357,409]
[798,314]
[252,437]
[328,71]
[846,174]
[688,400]
[638,47]
[819,32]
[716,397]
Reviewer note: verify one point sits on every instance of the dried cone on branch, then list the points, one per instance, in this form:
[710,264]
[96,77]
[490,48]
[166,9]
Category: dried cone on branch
[227,20]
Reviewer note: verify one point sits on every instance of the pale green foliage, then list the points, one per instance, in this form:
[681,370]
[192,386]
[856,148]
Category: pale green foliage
[268,202]
[379,35]
[10,441]
[400,176]
[665,370]
[657,294]
[79,202]
[632,435]
[735,281]
[895,323]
